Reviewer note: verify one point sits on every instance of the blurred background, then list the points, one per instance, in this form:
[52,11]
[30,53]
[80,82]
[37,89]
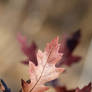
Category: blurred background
[41,21]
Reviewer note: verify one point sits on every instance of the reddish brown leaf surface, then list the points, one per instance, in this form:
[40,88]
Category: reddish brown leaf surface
[68,45]
[45,70]
[29,50]
[87,88]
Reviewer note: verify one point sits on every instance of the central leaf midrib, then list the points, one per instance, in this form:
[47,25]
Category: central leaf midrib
[41,72]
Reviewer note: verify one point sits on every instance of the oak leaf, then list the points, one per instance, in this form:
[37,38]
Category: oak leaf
[87,88]
[45,70]
[29,50]
[68,45]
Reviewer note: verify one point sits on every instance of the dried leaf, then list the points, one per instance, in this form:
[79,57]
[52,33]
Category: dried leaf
[46,70]
[68,45]
[29,50]
[87,88]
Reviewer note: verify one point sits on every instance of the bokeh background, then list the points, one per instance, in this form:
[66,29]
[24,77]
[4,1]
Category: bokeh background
[41,21]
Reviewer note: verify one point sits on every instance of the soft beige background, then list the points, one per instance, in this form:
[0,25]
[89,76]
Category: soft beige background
[86,75]
[41,21]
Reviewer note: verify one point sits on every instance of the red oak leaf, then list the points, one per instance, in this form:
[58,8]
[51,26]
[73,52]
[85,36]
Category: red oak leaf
[29,50]
[87,88]
[64,89]
[45,70]
[68,45]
